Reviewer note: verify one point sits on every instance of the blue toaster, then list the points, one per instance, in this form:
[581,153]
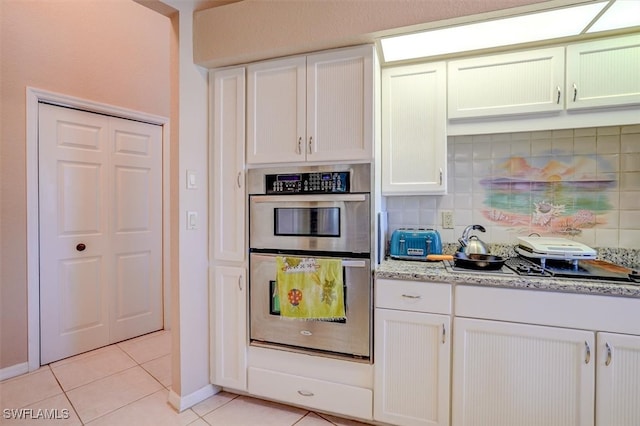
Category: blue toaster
[414,244]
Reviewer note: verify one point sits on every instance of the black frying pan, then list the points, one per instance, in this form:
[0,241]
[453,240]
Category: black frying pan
[478,261]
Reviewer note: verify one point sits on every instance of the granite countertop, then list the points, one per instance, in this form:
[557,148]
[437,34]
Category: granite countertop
[437,272]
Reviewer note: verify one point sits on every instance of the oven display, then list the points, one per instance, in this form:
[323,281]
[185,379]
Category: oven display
[308,183]
[289,178]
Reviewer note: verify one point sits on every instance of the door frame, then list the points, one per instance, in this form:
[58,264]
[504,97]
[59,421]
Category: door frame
[33,97]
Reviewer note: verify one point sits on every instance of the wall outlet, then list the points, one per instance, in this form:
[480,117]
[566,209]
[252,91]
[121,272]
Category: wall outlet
[447,220]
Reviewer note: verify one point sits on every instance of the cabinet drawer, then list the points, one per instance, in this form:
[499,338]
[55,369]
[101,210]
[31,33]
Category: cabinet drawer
[312,393]
[413,296]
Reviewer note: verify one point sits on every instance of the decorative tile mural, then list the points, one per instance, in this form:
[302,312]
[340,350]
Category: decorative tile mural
[548,196]
[582,184]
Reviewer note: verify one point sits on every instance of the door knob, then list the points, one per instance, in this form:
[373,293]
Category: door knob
[81,247]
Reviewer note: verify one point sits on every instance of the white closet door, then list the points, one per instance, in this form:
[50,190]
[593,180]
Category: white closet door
[100,230]
[135,209]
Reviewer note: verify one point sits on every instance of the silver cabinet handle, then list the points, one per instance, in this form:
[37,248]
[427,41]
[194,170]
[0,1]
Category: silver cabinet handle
[444,333]
[608,361]
[411,296]
[575,92]
[305,393]
[299,145]
[587,357]
[238,179]
[240,283]
[310,144]
[558,100]
[441,176]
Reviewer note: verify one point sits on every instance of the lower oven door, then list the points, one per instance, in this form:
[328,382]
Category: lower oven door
[350,337]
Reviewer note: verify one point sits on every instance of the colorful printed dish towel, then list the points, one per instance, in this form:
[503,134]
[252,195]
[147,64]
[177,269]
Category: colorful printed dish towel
[310,289]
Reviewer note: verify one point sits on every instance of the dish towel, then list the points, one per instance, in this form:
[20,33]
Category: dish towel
[310,289]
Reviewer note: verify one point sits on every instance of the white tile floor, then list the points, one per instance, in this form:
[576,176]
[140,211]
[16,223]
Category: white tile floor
[128,384]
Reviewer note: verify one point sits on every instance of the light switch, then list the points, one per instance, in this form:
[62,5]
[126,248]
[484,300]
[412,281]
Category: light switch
[192,220]
[191,180]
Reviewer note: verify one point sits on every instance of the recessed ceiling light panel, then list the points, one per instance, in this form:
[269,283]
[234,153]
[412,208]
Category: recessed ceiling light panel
[500,32]
[621,14]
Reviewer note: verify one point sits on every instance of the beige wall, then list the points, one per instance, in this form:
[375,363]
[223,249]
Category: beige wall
[252,30]
[115,52]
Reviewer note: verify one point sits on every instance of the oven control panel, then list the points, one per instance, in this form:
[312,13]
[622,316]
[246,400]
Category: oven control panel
[307,183]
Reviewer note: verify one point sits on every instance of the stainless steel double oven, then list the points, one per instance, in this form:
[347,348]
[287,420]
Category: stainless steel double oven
[319,212]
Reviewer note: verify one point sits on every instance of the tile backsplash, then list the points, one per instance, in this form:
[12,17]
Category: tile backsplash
[582,184]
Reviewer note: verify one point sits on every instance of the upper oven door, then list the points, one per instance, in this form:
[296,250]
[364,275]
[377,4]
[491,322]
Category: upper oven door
[324,222]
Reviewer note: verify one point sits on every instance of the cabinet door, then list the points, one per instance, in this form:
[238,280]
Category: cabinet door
[513,83]
[227,171]
[507,374]
[340,105]
[276,111]
[229,327]
[414,140]
[412,368]
[604,73]
[618,380]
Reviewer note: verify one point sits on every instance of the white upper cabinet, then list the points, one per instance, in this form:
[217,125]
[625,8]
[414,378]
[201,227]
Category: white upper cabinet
[276,111]
[311,108]
[604,73]
[227,171]
[507,84]
[414,140]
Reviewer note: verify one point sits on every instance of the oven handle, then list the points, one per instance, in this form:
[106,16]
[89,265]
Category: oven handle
[346,263]
[353,263]
[307,198]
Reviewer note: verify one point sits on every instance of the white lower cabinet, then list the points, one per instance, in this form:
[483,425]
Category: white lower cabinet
[331,385]
[536,358]
[412,353]
[507,374]
[312,393]
[412,368]
[618,380]
[229,327]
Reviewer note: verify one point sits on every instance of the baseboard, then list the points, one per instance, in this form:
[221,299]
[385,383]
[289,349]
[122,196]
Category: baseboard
[181,403]
[14,370]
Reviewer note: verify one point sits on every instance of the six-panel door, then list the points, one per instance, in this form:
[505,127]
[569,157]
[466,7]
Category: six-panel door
[100,230]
